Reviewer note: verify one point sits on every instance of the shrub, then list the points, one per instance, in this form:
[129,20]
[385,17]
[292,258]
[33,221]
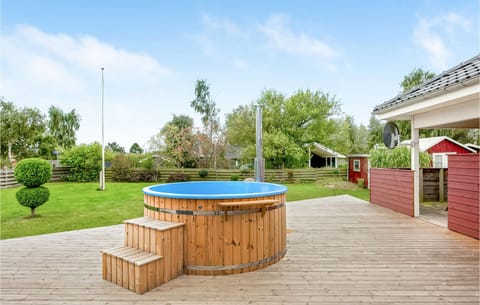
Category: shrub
[396,158]
[143,175]
[178,177]
[245,169]
[33,197]
[33,172]
[335,172]
[203,173]
[85,162]
[121,168]
[361,182]
[234,177]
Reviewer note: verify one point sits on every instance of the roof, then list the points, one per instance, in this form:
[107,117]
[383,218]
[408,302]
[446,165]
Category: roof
[425,144]
[473,146]
[358,156]
[325,152]
[463,74]
[233,152]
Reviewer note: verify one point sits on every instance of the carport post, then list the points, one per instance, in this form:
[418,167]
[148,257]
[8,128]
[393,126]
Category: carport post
[415,154]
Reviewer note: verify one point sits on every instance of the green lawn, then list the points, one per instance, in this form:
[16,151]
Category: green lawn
[74,206]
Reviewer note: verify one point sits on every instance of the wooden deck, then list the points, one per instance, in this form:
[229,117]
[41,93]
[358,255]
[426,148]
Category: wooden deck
[341,250]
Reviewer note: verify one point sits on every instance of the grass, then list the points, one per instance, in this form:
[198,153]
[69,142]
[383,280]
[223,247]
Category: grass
[74,206]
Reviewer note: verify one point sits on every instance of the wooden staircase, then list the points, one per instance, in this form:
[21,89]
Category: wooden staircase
[152,254]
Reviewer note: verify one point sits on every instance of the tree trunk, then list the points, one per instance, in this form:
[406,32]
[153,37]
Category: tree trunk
[33,212]
[10,152]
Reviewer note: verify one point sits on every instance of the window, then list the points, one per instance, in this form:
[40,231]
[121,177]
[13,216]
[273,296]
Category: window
[440,160]
[356,165]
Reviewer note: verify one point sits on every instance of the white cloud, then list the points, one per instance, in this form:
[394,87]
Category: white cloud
[40,69]
[223,25]
[434,35]
[240,63]
[281,37]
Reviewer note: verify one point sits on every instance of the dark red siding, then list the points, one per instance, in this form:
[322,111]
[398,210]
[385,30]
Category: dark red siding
[463,194]
[447,146]
[353,176]
[393,189]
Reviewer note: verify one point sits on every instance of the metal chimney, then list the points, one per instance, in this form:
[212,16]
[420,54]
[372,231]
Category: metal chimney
[259,161]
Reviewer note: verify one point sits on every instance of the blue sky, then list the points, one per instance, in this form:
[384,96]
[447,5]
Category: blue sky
[153,51]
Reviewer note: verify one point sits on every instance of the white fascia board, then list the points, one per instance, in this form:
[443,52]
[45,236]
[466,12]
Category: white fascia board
[423,104]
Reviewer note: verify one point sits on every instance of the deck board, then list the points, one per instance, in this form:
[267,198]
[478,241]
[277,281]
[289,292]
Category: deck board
[341,250]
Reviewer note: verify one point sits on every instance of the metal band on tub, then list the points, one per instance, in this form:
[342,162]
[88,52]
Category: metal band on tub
[239,266]
[211,213]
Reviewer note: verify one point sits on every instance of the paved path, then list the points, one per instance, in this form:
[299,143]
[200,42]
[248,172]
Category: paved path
[341,250]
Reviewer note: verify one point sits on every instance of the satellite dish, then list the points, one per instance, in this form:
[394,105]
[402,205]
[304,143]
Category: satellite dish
[391,136]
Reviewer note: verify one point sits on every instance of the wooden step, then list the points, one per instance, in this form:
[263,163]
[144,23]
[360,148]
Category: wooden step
[131,268]
[158,237]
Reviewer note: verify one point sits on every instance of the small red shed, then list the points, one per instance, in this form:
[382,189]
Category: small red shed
[440,148]
[358,168]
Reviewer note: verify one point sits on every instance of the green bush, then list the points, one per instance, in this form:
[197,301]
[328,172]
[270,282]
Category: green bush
[399,157]
[361,182]
[245,169]
[33,172]
[178,177]
[33,197]
[234,177]
[335,172]
[203,173]
[143,175]
[85,162]
[121,168]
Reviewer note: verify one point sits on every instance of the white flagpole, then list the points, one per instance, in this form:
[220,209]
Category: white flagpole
[102,173]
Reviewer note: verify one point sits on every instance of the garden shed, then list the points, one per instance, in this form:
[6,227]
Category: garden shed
[440,148]
[322,156]
[358,168]
[449,100]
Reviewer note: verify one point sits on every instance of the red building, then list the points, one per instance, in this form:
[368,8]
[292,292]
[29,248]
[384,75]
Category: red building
[440,148]
[358,168]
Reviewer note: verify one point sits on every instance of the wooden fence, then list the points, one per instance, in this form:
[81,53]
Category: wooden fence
[433,184]
[271,175]
[392,188]
[7,178]
[464,190]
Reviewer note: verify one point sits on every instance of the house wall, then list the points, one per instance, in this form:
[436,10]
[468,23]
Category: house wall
[447,146]
[463,194]
[393,189]
[353,176]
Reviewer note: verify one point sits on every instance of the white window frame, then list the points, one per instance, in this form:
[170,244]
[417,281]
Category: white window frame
[444,159]
[356,165]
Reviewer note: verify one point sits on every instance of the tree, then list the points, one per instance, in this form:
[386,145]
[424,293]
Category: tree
[62,126]
[205,105]
[135,149]
[179,144]
[290,125]
[20,130]
[415,78]
[375,132]
[115,147]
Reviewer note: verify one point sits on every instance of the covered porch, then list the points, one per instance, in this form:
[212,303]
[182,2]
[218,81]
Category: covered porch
[449,100]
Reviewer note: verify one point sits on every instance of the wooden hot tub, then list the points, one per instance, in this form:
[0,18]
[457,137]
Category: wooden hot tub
[230,227]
